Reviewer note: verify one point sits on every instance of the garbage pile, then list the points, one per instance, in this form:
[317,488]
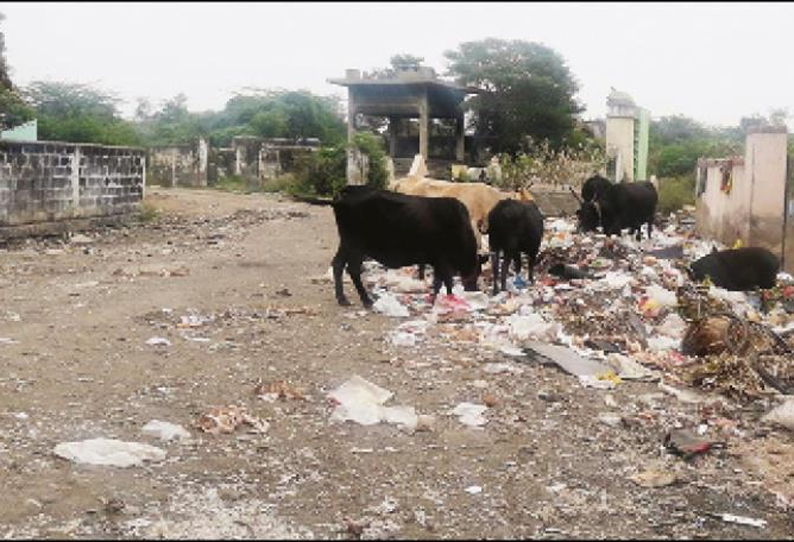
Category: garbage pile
[615,309]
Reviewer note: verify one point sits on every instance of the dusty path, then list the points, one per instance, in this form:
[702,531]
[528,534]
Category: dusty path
[77,366]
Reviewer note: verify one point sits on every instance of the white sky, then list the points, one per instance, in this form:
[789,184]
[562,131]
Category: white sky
[715,62]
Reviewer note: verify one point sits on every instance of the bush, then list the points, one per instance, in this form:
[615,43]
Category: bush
[676,192]
[281,183]
[321,173]
[235,183]
[372,146]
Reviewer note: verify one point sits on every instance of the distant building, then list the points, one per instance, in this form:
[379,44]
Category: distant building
[626,138]
[403,96]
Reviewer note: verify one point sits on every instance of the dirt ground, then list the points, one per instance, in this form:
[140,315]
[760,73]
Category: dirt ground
[74,321]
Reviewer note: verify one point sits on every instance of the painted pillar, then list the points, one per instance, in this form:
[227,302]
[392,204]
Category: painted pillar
[353,171]
[424,125]
[460,135]
[393,136]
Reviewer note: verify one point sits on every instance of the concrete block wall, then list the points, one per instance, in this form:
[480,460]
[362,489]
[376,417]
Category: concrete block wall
[178,165]
[48,181]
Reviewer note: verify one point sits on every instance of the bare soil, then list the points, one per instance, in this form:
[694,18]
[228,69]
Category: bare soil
[77,366]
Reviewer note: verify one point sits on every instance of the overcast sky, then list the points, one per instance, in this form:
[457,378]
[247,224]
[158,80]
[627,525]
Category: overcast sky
[713,62]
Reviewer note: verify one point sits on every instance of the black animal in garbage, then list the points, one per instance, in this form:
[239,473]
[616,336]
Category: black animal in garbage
[514,227]
[593,187]
[738,269]
[569,272]
[399,230]
[621,206]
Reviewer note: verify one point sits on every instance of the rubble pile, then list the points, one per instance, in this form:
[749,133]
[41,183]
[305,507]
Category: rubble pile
[603,297]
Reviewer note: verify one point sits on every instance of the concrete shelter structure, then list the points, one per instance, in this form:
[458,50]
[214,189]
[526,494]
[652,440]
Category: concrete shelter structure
[413,93]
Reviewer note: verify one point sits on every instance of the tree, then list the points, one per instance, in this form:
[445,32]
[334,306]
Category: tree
[13,110]
[78,113]
[676,142]
[280,113]
[5,78]
[405,62]
[529,91]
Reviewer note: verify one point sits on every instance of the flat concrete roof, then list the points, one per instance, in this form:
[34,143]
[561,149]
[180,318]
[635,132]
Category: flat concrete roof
[404,82]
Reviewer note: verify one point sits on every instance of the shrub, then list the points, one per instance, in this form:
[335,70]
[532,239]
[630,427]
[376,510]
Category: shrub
[675,192]
[372,146]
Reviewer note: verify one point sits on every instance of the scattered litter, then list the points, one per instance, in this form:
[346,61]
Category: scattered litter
[741,520]
[390,306]
[782,415]
[531,326]
[628,369]
[165,430]
[158,341]
[686,443]
[108,452]
[80,239]
[362,401]
[567,359]
[277,390]
[470,414]
[654,478]
[228,419]
[499,368]
[473,490]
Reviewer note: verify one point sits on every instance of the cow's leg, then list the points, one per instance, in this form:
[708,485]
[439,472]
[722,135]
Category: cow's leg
[442,274]
[495,269]
[354,270]
[421,268]
[436,282]
[650,227]
[517,264]
[505,266]
[531,261]
[338,264]
[637,231]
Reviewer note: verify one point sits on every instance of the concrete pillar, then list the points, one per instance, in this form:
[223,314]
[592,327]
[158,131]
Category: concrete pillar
[351,117]
[75,179]
[353,177]
[460,135]
[424,125]
[393,136]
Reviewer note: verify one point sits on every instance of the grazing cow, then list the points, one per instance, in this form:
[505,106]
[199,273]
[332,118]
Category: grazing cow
[515,227]
[594,187]
[620,206]
[479,198]
[399,230]
[738,269]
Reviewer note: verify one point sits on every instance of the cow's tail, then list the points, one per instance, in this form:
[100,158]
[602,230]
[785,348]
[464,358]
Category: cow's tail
[313,200]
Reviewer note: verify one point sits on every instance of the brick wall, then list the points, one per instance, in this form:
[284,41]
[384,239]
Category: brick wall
[47,181]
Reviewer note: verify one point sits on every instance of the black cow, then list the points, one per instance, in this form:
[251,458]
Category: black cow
[738,269]
[594,187]
[620,206]
[399,230]
[514,227]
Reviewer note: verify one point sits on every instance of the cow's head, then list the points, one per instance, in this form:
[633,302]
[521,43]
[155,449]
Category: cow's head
[470,280]
[589,215]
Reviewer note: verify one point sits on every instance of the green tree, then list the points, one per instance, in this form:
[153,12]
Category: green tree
[280,113]
[5,78]
[676,142]
[78,113]
[405,62]
[529,91]
[13,110]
